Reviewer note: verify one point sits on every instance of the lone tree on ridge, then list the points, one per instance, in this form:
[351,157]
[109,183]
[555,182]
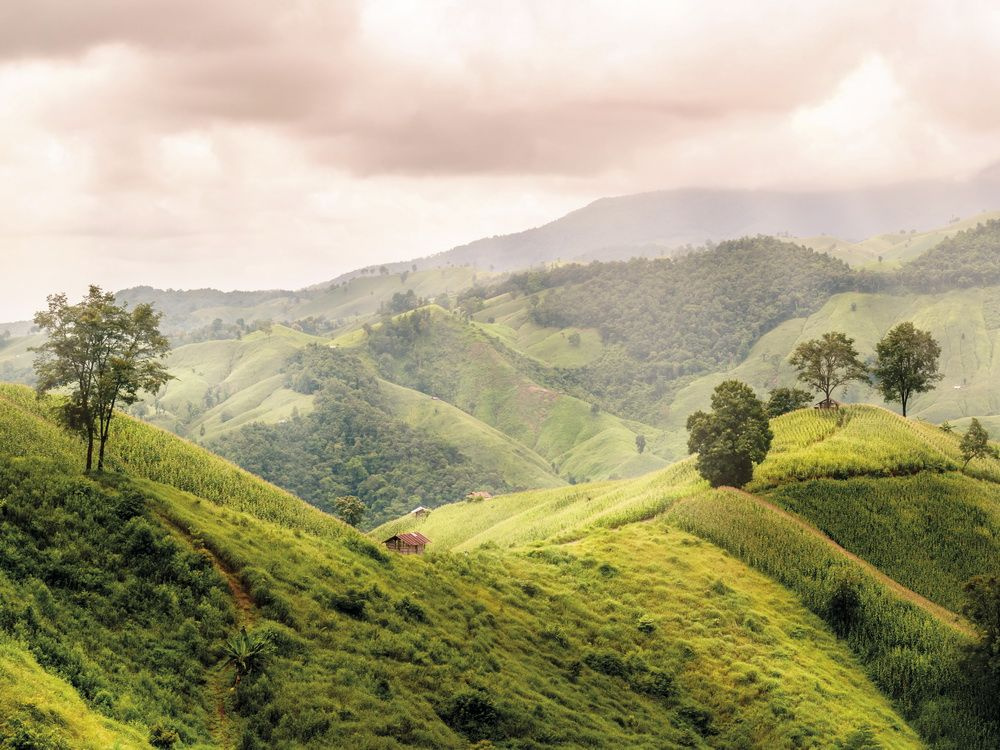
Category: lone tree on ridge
[907,363]
[105,354]
[731,438]
[826,363]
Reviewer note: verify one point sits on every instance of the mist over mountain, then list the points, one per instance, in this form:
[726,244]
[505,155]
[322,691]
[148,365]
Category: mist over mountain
[661,222]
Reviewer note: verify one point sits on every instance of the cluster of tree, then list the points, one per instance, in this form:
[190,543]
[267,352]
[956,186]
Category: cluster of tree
[352,445]
[218,330]
[906,363]
[402,302]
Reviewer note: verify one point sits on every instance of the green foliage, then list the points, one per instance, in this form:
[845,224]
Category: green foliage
[106,354]
[162,736]
[967,259]
[907,363]
[246,651]
[349,509]
[931,532]
[913,657]
[982,607]
[976,443]
[673,319]
[352,444]
[732,438]
[785,400]
[826,363]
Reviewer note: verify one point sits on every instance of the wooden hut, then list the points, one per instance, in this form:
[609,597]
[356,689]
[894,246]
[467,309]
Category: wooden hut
[420,512]
[407,543]
[474,497]
[827,403]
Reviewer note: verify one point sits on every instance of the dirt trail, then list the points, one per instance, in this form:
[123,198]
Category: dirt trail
[219,681]
[941,613]
[245,611]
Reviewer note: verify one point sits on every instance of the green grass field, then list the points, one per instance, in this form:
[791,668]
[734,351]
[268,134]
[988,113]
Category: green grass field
[634,635]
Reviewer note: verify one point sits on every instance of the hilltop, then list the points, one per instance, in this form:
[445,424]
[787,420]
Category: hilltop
[597,643]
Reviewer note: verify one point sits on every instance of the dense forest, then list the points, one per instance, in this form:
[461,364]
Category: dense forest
[353,445]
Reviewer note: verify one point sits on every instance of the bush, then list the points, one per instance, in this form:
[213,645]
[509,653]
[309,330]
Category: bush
[162,736]
[473,714]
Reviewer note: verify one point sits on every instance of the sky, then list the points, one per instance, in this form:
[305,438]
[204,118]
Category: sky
[259,144]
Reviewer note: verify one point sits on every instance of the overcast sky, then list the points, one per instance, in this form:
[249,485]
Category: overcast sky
[256,144]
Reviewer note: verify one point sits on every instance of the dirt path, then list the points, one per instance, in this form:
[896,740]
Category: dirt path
[219,681]
[941,613]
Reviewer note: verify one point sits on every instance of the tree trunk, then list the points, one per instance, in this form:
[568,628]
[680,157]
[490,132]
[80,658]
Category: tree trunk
[100,454]
[90,449]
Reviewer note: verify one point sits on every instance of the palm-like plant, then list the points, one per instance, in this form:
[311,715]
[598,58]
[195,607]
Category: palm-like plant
[246,651]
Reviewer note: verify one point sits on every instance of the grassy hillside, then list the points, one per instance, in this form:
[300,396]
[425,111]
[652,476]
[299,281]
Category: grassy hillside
[597,643]
[890,250]
[437,353]
[888,490]
[966,323]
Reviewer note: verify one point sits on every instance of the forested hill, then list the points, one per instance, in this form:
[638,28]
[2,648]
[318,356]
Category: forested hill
[970,258]
[664,320]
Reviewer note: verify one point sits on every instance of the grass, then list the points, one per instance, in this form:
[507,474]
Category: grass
[634,635]
[38,709]
[527,517]
[929,532]
[911,655]
[965,323]
[456,362]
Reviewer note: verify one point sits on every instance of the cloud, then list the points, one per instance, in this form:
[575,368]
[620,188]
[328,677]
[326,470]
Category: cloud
[248,142]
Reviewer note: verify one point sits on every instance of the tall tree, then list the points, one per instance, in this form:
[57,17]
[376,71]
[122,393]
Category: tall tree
[976,443]
[982,607]
[907,363]
[826,363]
[733,437]
[105,354]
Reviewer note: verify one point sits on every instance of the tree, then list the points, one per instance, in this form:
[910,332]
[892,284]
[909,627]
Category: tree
[349,509]
[976,443]
[640,443]
[826,363]
[732,438]
[784,400]
[982,607]
[105,354]
[907,363]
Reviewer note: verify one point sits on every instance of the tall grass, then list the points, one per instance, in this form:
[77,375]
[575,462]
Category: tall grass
[913,657]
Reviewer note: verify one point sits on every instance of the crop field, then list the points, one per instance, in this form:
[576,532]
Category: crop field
[911,655]
[930,532]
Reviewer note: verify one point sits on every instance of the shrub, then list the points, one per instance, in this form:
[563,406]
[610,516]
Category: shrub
[473,714]
[162,736]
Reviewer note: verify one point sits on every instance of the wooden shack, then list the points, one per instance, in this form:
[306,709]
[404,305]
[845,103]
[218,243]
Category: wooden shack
[420,512]
[827,403]
[407,543]
[474,497]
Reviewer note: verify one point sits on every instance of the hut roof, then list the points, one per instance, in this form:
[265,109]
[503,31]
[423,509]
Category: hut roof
[410,537]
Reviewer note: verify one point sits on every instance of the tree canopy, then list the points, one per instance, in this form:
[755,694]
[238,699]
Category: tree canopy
[784,400]
[976,443]
[105,354]
[731,438]
[826,363]
[907,363]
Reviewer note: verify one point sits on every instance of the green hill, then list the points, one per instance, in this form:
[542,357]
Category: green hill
[911,528]
[117,596]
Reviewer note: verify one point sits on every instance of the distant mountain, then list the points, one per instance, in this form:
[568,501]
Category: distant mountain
[663,222]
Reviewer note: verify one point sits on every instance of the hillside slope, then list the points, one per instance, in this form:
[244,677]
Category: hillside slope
[374,650]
